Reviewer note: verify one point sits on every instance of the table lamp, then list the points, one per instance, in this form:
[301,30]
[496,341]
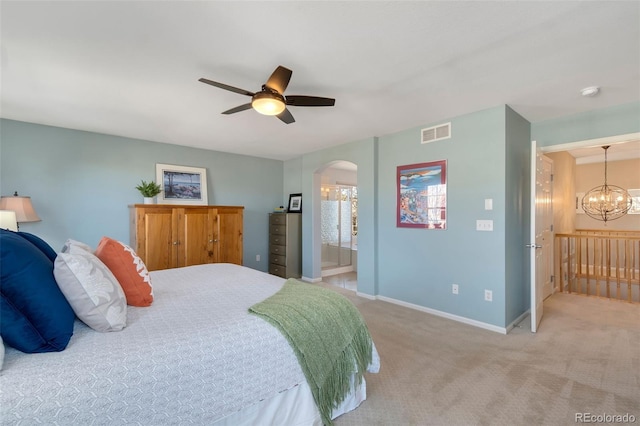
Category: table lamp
[21,206]
[8,220]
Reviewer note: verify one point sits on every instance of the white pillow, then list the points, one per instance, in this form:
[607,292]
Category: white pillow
[92,291]
[73,246]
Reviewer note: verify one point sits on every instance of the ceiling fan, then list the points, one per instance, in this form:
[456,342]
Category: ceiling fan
[271,100]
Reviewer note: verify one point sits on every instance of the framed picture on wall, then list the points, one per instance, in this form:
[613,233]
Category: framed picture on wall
[182,184]
[635,197]
[295,203]
[422,195]
[579,196]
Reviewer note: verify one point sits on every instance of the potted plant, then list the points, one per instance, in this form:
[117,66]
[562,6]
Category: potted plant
[149,190]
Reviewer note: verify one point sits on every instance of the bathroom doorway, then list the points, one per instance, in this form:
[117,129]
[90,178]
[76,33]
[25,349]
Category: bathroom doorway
[339,219]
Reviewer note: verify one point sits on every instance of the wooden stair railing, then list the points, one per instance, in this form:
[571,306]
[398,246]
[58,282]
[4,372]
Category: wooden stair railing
[599,263]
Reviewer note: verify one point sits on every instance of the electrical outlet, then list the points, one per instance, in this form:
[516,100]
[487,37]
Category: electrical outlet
[454,288]
[257,258]
[488,295]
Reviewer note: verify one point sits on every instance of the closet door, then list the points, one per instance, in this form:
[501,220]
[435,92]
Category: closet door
[154,240]
[195,229]
[229,234]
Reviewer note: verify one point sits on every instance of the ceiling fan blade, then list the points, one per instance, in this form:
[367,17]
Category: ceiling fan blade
[279,80]
[238,109]
[309,101]
[227,87]
[286,116]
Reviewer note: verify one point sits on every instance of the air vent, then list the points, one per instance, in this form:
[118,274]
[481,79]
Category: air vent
[436,133]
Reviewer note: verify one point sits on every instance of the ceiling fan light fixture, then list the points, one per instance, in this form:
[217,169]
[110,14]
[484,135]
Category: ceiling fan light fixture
[590,91]
[268,103]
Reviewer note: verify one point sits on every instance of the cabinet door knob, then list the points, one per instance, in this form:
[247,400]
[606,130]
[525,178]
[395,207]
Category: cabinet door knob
[175,243]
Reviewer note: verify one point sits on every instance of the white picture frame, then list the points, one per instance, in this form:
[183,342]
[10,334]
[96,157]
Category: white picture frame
[635,196]
[579,196]
[182,184]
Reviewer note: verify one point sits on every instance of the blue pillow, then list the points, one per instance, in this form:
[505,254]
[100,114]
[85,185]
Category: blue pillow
[41,244]
[34,314]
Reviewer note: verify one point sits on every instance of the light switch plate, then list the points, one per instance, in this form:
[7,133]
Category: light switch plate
[484,225]
[488,204]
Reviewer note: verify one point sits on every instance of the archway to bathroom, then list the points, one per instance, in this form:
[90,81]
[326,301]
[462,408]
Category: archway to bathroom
[339,223]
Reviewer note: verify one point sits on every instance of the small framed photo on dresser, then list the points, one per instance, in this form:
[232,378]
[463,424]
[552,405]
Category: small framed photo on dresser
[295,203]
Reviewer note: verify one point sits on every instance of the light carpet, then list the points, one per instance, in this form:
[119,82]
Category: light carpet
[585,358]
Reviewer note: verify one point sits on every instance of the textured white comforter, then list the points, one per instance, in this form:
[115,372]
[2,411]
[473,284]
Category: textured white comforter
[194,356]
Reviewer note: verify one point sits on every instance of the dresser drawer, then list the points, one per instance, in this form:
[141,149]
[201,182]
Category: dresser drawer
[278,229]
[278,270]
[277,259]
[277,249]
[285,245]
[278,219]
[279,240]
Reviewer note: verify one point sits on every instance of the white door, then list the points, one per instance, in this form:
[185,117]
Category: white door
[546,199]
[540,232]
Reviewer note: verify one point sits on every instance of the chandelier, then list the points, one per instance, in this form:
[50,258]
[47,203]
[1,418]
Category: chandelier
[606,202]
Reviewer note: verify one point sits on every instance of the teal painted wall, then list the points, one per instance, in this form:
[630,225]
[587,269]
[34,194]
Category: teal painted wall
[488,157]
[518,216]
[419,266]
[81,182]
[413,265]
[613,121]
[304,174]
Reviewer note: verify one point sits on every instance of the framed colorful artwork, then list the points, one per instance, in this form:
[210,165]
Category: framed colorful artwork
[181,184]
[422,195]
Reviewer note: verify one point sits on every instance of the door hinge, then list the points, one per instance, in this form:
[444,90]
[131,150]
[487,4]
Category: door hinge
[551,177]
[552,278]
[551,228]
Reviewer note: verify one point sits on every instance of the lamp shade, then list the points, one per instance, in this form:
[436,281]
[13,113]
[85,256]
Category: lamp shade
[8,220]
[21,205]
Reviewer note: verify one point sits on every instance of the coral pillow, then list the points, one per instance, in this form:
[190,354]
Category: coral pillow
[129,270]
[34,314]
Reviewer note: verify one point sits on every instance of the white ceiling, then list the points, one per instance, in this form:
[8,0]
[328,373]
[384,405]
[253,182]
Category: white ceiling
[132,68]
[625,150]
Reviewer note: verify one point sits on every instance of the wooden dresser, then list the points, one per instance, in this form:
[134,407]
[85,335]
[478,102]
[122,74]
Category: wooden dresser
[285,244]
[170,236]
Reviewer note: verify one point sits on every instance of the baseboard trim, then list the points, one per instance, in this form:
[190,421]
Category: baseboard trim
[464,320]
[365,296]
[311,280]
[518,320]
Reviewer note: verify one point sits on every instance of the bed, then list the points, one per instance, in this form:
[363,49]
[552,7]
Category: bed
[195,356]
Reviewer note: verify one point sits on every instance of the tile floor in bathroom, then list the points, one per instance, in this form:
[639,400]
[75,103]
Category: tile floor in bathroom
[348,280]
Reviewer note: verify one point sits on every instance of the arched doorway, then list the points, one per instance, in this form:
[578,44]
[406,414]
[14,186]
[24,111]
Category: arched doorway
[339,218]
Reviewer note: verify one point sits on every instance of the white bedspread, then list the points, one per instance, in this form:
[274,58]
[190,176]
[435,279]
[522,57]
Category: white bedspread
[194,356]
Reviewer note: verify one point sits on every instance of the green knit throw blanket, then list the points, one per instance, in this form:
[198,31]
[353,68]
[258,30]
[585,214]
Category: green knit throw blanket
[327,334]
